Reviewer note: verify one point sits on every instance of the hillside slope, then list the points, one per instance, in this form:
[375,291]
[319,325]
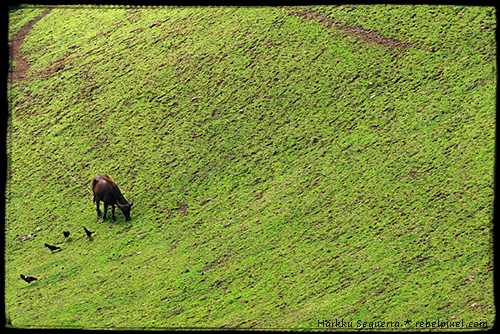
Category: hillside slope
[286,167]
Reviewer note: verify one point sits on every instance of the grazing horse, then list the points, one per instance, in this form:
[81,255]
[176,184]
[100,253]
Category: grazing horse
[108,192]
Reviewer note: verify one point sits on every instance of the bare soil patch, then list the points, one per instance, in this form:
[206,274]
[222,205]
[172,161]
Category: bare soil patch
[21,66]
[368,36]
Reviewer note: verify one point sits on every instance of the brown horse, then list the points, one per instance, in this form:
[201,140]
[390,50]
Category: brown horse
[108,192]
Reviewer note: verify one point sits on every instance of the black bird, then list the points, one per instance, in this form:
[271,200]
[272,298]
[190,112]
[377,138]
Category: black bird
[28,279]
[66,234]
[52,248]
[89,233]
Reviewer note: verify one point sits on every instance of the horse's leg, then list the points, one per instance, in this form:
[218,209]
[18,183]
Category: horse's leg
[98,210]
[105,211]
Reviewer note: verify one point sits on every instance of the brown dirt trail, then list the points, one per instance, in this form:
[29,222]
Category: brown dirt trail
[21,66]
[368,36]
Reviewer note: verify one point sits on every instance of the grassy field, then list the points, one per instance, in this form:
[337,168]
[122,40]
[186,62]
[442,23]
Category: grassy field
[287,165]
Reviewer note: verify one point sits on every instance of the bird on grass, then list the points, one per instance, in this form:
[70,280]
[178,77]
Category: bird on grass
[89,233]
[28,279]
[52,248]
[66,234]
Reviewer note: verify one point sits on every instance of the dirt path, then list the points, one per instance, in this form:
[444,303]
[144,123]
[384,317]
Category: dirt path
[21,66]
[368,36]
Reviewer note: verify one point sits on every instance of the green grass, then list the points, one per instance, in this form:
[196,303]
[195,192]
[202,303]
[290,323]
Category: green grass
[283,172]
